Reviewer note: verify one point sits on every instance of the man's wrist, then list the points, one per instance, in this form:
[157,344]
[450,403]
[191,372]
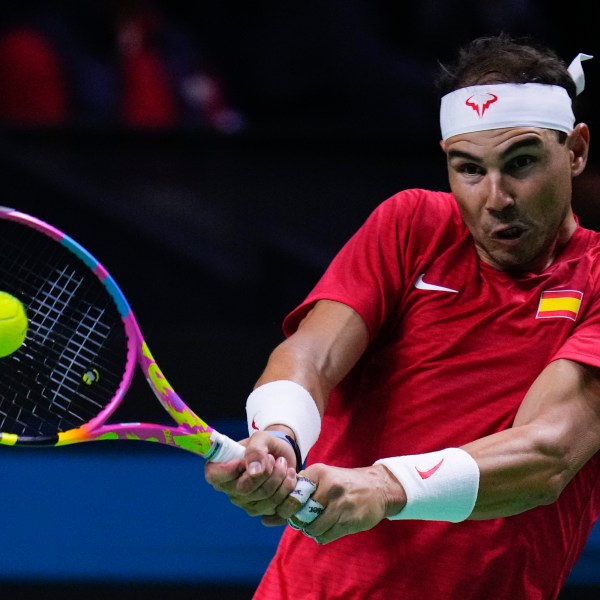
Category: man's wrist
[395,496]
[285,402]
[439,486]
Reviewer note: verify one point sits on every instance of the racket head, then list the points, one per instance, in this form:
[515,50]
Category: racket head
[81,351]
[79,355]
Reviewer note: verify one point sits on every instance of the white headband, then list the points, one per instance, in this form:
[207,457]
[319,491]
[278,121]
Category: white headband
[495,106]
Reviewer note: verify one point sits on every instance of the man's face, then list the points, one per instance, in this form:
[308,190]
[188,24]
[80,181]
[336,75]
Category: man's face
[513,187]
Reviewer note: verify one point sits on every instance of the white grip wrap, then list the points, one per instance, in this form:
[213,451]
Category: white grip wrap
[439,486]
[286,403]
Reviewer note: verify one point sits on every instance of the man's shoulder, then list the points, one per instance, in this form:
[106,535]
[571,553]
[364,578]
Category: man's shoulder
[423,208]
[419,196]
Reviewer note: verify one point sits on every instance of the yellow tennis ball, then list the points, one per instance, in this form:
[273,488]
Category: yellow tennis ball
[13,324]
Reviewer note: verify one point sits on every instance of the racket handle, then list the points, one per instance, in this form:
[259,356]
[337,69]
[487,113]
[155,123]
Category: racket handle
[309,509]
[225,448]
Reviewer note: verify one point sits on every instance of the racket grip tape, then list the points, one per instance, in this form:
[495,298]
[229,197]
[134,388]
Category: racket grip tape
[225,449]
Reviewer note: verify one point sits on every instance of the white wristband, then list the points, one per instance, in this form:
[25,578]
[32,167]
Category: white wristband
[439,486]
[285,403]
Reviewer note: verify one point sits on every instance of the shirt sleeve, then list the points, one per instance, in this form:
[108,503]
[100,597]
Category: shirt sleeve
[583,345]
[367,273]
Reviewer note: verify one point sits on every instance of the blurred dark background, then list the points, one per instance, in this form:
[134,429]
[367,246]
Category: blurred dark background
[214,156]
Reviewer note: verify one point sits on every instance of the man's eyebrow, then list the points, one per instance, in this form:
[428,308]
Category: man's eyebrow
[527,143]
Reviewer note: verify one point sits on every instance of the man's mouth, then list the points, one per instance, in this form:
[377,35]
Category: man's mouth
[509,233]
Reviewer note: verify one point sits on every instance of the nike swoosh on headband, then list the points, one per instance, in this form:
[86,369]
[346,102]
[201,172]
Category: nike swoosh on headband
[420,284]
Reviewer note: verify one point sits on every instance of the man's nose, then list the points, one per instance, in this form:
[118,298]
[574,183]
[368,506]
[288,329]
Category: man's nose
[498,195]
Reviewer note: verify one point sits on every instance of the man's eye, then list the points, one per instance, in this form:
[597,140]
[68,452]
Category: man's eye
[521,162]
[470,169]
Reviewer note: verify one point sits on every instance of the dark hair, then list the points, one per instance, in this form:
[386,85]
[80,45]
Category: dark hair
[504,59]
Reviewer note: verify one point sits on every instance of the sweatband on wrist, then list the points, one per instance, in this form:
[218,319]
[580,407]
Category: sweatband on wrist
[439,486]
[291,442]
[286,403]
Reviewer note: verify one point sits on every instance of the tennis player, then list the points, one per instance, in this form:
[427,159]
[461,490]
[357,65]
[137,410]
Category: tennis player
[444,372]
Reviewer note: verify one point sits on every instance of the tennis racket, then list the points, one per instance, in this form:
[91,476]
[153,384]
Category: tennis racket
[82,348]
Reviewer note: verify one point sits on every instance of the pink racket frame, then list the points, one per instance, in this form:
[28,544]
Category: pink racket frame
[191,432]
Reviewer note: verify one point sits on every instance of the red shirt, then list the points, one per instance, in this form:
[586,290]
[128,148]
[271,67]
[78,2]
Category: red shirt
[454,347]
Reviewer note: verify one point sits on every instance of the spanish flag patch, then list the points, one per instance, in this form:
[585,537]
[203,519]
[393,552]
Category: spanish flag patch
[559,304]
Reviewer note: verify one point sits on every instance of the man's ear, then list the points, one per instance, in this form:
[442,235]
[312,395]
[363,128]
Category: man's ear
[578,142]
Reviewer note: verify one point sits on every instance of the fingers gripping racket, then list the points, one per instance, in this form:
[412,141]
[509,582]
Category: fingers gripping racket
[82,348]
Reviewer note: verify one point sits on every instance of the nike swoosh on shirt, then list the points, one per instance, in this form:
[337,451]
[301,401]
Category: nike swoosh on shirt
[423,285]
[428,474]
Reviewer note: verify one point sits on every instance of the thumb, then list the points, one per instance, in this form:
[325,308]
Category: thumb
[262,449]
[258,458]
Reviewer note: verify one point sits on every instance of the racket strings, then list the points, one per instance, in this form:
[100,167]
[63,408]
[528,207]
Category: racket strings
[76,350]
[73,359]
